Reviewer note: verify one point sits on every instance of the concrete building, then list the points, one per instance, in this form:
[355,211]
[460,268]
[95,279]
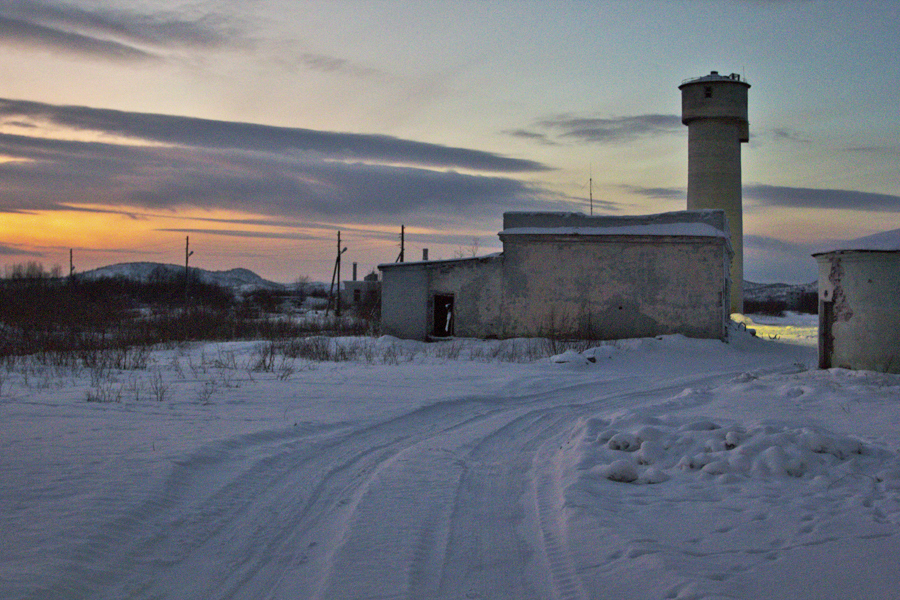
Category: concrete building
[859,304]
[714,108]
[361,295]
[574,276]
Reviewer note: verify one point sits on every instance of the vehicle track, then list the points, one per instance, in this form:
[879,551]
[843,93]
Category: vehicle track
[457,499]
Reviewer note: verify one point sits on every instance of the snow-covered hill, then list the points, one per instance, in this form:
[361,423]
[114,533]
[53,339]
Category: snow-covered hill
[241,280]
[778,292]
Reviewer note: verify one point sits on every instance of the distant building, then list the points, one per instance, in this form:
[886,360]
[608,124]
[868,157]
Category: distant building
[574,276]
[859,304]
[361,294]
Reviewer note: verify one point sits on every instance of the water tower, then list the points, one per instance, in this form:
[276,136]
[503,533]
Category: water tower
[714,107]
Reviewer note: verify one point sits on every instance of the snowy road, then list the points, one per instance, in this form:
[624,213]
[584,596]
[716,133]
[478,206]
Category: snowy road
[420,480]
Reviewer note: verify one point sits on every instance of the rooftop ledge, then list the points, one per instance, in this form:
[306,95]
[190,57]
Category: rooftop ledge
[715,76]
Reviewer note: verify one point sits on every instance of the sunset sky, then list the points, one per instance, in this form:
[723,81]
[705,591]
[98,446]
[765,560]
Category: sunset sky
[260,128]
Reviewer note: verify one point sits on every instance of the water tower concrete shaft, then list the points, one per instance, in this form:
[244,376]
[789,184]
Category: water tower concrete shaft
[714,108]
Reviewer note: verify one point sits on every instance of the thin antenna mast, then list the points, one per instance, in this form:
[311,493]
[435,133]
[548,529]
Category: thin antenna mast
[591,186]
[187,273]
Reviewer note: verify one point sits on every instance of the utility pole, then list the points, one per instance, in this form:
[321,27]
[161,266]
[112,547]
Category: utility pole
[402,243]
[187,254]
[337,306]
[71,265]
[336,278]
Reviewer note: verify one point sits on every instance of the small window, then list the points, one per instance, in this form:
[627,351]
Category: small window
[707,91]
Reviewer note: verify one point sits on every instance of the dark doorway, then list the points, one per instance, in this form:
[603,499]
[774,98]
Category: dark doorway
[443,315]
[826,334]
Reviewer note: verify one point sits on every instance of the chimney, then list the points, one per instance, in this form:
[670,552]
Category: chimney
[354,271]
[424,253]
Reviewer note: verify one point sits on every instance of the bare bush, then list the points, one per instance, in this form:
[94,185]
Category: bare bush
[206,391]
[104,392]
[159,389]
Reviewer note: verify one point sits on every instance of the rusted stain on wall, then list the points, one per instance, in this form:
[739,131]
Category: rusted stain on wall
[841,309]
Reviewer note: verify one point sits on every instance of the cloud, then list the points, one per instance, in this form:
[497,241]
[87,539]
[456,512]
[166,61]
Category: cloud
[25,34]
[784,134]
[324,63]
[245,234]
[657,193]
[834,199]
[886,151]
[109,33]
[190,131]
[542,138]
[764,243]
[12,251]
[272,171]
[770,260]
[595,130]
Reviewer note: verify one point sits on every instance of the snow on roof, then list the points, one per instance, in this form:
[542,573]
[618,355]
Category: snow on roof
[439,261]
[886,241]
[695,223]
[661,229]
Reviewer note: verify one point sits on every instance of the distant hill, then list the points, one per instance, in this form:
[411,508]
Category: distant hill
[783,292]
[775,298]
[239,280]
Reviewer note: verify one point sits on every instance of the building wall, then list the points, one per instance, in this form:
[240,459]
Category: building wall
[365,292]
[408,291]
[859,310]
[572,275]
[612,287]
[404,301]
[475,285]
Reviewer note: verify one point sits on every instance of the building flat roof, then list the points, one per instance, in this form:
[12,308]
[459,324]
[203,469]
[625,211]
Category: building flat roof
[661,229]
[886,241]
[716,77]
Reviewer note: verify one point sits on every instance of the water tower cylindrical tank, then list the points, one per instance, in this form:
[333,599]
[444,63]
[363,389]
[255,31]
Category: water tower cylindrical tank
[714,108]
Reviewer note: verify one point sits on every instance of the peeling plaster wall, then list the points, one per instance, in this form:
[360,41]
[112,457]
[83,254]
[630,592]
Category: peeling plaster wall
[859,316]
[408,290]
[574,275]
[475,286]
[611,287]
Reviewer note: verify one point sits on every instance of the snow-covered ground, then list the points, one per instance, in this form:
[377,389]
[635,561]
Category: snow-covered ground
[641,469]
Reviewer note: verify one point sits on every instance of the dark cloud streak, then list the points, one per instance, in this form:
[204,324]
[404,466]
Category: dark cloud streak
[23,33]
[245,234]
[595,130]
[272,171]
[110,33]
[191,131]
[833,199]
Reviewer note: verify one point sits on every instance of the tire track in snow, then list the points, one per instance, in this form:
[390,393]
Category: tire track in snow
[280,515]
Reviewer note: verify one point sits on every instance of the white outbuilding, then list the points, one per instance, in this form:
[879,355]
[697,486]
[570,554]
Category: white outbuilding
[575,276]
[859,304]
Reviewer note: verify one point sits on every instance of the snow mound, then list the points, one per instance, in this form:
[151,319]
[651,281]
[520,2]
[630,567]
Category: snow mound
[654,450]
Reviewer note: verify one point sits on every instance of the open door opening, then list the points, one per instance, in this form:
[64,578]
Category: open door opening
[443,315]
[826,335]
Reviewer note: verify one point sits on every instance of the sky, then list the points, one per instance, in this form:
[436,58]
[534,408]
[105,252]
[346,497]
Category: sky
[259,129]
